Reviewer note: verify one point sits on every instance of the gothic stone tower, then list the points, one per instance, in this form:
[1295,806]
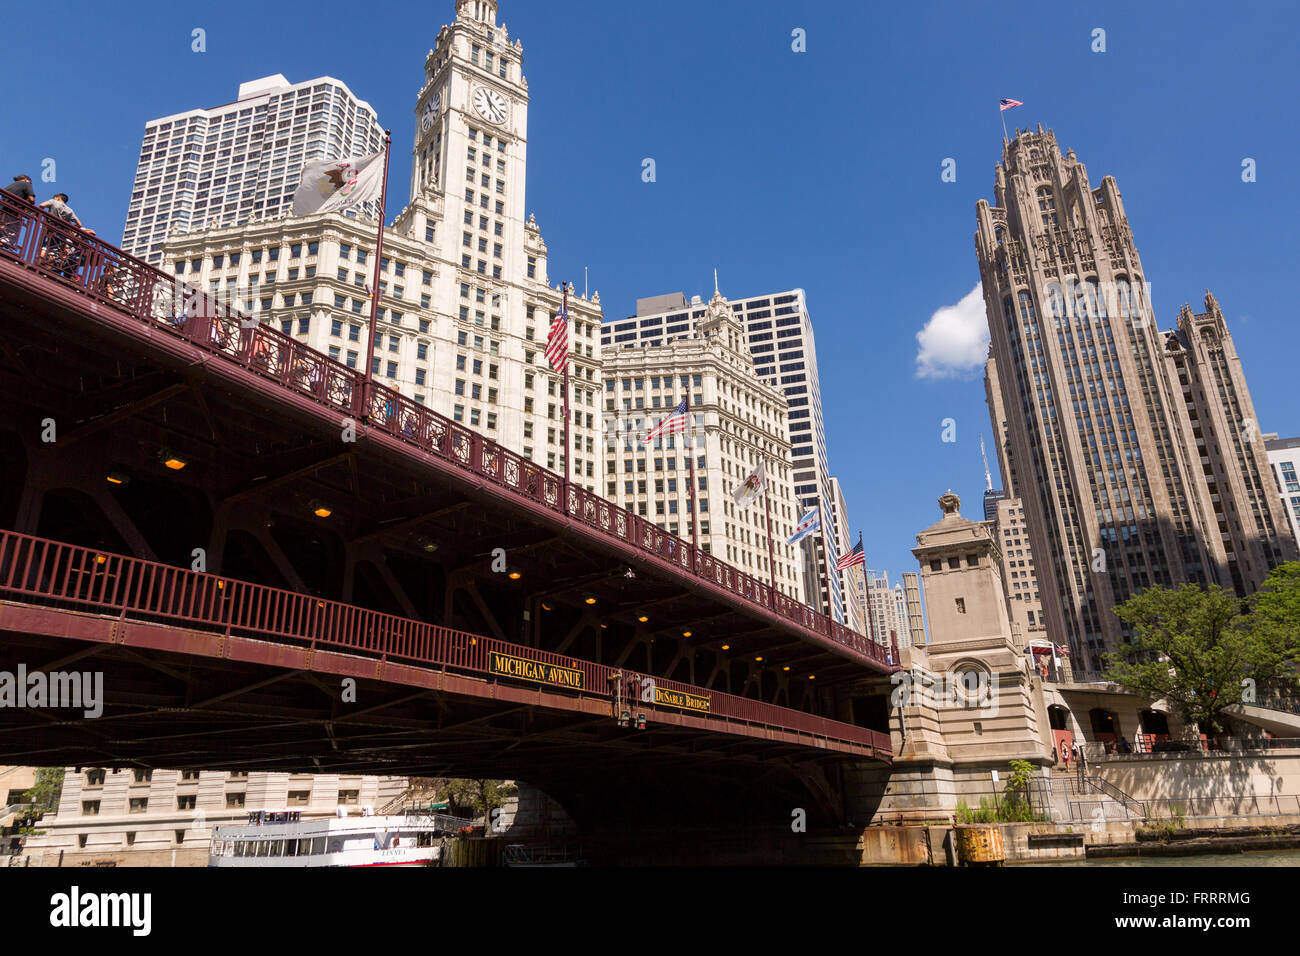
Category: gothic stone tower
[1238,493]
[1109,466]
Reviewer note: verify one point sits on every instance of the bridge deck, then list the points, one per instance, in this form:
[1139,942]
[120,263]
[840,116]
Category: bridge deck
[169,323]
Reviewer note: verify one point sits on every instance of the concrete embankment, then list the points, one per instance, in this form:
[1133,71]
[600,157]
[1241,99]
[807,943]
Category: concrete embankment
[935,845]
[1196,842]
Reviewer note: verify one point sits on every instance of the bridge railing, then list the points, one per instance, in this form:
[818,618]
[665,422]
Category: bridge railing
[40,571]
[105,273]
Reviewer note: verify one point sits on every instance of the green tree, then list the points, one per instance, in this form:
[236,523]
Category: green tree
[1195,646]
[47,789]
[1275,621]
[479,795]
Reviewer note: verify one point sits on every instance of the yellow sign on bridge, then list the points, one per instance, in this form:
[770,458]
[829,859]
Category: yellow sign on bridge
[536,671]
[682,699]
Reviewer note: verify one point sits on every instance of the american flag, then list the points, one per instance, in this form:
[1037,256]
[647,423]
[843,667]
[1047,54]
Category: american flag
[670,424]
[856,556]
[557,342]
[1006,104]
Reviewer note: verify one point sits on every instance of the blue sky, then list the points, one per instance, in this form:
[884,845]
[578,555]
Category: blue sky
[818,170]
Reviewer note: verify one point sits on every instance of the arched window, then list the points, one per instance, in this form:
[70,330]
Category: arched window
[1027,313]
[1097,300]
[1056,302]
[1047,206]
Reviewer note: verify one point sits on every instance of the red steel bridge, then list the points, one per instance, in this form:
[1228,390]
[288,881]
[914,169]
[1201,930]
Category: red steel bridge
[277,568]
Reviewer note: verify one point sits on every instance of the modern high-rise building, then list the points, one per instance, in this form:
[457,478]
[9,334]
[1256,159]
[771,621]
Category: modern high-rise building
[885,624]
[1129,442]
[779,333]
[900,615]
[915,609]
[991,495]
[240,162]
[737,421]
[466,300]
[851,579]
[1008,524]
[1284,456]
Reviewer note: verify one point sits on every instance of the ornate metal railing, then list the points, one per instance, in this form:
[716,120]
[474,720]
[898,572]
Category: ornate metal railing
[104,273]
[39,571]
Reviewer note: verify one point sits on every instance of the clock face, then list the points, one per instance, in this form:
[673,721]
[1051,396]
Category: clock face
[430,112]
[490,105]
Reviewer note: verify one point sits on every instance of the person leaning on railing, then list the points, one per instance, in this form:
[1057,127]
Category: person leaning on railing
[21,188]
[57,252]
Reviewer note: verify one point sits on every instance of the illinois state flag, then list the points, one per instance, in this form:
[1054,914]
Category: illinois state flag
[751,487]
[329,185]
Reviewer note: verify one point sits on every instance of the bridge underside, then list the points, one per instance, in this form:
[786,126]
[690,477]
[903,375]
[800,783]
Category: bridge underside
[180,699]
[406,533]
[123,437]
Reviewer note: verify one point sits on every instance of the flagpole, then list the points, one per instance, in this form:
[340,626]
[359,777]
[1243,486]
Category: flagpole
[695,524]
[826,555]
[771,560]
[368,380]
[564,485]
[866,593]
[1002,114]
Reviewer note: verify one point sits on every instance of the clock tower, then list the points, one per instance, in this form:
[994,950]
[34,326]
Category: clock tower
[474,95]
[490,292]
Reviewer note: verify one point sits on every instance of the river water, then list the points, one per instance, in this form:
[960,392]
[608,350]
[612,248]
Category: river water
[1267,858]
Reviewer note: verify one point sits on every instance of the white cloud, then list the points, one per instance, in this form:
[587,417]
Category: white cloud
[955,342]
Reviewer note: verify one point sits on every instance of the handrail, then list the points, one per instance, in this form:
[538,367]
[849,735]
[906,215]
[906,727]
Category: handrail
[32,567]
[1129,804]
[105,273]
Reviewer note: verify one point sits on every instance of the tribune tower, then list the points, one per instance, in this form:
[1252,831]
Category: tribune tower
[1129,477]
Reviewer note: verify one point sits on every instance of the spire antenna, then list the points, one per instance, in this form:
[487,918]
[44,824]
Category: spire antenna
[988,476]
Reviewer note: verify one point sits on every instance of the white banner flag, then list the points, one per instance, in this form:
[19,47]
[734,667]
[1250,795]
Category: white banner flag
[330,185]
[751,487]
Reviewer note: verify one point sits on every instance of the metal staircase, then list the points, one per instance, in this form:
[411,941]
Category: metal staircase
[1087,798]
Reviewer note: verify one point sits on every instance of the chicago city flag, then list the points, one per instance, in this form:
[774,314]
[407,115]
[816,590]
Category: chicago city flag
[751,487]
[329,185]
[806,526]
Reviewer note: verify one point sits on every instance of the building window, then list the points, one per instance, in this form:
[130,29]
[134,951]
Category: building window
[139,804]
[89,808]
[234,801]
[186,802]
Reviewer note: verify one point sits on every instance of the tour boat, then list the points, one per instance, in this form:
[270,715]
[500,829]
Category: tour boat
[281,838]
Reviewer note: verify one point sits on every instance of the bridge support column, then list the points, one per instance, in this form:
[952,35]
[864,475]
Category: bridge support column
[216,553]
[28,518]
[123,524]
